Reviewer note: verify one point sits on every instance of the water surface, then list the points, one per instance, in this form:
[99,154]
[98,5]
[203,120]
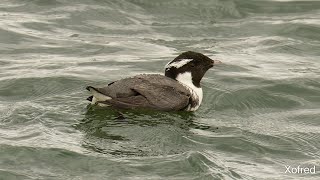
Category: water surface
[260,111]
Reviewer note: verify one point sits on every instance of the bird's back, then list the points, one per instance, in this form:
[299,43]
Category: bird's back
[124,87]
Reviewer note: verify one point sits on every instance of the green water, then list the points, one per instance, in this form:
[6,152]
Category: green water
[261,108]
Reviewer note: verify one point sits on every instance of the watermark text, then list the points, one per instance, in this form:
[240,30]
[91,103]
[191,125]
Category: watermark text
[300,170]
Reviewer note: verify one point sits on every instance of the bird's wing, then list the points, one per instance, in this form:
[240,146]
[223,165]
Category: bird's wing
[120,88]
[165,98]
[152,96]
[150,91]
[131,102]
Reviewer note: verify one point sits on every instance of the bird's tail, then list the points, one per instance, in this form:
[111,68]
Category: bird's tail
[96,95]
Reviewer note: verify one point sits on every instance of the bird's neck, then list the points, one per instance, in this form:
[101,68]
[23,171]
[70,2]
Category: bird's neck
[196,92]
[186,79]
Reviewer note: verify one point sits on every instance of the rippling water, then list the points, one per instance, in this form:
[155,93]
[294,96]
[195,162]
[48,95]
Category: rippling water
[261,107]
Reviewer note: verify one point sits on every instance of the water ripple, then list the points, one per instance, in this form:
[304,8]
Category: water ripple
[260,110]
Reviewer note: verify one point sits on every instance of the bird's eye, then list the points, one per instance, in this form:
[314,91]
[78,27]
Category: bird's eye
[192,64]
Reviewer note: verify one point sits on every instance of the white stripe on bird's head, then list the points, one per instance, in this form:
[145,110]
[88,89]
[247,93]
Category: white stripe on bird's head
[177,64]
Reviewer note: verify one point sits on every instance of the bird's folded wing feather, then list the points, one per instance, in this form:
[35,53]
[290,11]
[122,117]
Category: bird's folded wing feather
[131,102]
[165,99]
[154,96]
[162,97]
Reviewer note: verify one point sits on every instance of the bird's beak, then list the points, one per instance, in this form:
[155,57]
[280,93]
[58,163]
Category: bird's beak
[215,62]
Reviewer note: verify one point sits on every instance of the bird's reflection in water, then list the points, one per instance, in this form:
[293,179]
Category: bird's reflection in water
[136,132]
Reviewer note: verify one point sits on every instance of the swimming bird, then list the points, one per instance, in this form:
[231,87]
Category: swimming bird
[179,89]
